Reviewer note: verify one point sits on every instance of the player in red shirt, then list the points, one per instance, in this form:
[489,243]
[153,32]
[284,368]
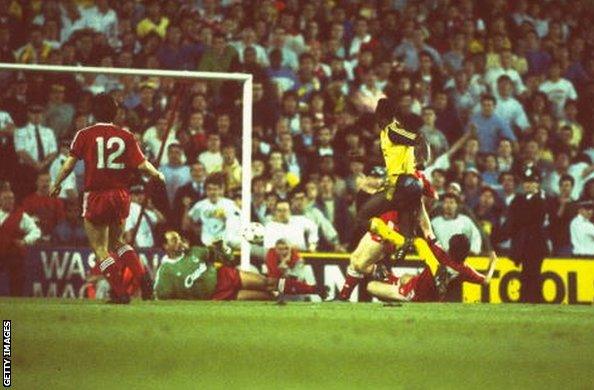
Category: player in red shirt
[431,284]
[111,156]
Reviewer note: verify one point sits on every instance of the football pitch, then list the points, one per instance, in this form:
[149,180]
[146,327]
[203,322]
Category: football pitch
[58,344]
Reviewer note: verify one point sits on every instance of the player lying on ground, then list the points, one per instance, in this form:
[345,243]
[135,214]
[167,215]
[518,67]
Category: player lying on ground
[431,284]
[112,157]
[209,272]
[371,248]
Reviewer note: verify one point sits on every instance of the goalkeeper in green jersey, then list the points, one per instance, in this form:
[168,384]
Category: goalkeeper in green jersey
[209,273]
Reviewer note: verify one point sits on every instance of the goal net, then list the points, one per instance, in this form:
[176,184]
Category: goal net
[158,101]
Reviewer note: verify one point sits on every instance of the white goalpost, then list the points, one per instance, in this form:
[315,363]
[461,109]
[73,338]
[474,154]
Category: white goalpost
[246,120]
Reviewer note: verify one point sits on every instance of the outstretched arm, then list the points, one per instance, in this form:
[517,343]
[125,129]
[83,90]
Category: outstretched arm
[462,140]
[425,223]
[149,169]
[63,174]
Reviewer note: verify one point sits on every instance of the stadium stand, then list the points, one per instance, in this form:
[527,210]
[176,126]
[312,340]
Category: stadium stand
[512,80]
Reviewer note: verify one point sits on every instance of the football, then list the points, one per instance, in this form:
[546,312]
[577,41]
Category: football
[254,233]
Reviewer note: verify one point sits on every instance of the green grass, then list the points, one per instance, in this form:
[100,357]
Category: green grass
[61,344]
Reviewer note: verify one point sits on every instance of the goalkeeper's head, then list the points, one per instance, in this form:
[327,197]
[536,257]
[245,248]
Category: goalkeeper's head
[459,248]
[174,244]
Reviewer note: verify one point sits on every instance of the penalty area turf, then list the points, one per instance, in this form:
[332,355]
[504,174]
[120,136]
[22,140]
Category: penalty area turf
[58,344]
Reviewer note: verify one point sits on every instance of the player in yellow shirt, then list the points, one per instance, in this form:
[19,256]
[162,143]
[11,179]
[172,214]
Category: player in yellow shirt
[402,189]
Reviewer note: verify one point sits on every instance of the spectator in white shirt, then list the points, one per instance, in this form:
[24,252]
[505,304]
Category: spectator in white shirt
[212,158]
[102,19]
[72,19]
[582,230]
[36,148]
[278,38]
[298,230]
[361,37]
[151,216]
[34,143]
[176,174]
[153,139]
[289,156]
[558,89]
[582,171]
[465,90]
[492,76]
[211,213]
[249,39]
[434,137]
[300,206]
[508,107]
[69,190]
[451,223]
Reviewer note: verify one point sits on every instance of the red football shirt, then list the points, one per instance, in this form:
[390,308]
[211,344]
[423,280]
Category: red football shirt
[49,211]
[111,155]
[273,260]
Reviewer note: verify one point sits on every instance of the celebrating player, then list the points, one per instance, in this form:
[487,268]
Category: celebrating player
[431,284]
[209,273]
[111,156]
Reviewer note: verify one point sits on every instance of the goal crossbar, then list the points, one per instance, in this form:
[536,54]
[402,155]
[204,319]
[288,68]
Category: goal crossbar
[126,71]
[245,78]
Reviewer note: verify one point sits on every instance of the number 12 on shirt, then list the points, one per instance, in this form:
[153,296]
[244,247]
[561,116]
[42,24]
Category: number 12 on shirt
[119,147]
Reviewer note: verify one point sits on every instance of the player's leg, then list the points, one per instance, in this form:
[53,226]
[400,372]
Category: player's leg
[253,295]
[254,281]
[126,252]
[98,235]
[367,253]
[383,291]
[376,205]
[424,251]
[390,290]
[380,228]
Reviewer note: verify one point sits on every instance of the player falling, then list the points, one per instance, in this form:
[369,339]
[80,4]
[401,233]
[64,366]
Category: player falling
[432,283]
[208,272]
[401,192]
[373,249]
[111,156]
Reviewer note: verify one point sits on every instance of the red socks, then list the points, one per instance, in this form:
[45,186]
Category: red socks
[294,286]
[130,259]
[353,278]
[111,271]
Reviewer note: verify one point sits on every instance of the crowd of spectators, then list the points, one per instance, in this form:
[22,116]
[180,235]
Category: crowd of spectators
[497,86]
